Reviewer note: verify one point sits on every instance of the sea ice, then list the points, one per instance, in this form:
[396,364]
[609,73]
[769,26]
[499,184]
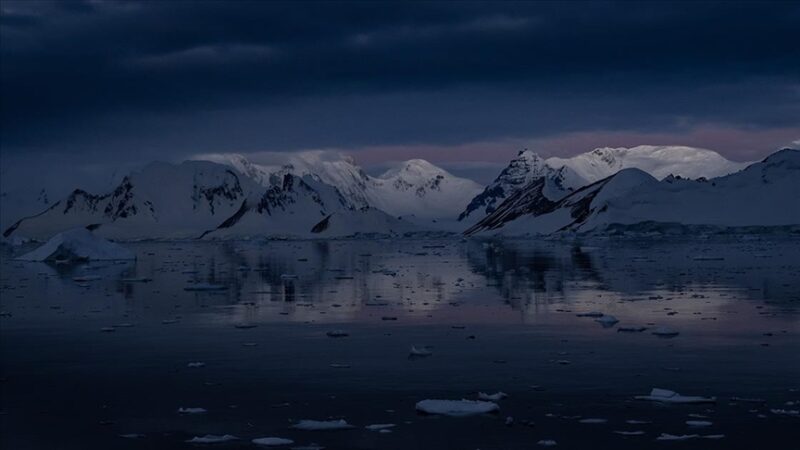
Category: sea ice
[492,397]
[322,425]
[272,441]
[212,439]
[456,408]
[667,396]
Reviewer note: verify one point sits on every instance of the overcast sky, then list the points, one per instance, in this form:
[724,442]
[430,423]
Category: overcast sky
[100,83]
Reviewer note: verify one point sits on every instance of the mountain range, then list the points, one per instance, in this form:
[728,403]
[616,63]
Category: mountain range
[326,194]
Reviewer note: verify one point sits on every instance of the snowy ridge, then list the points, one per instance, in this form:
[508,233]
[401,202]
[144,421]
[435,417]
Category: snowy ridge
[522,170]
[411,188]
[762,195]
[201,198]
[658,161]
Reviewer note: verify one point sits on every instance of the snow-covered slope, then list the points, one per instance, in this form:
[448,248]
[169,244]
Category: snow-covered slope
[203,198]
[421,189]
[764,194]
[520,172]
[162,200]
[411,188]
[658,161]
[564,175]
[304,207]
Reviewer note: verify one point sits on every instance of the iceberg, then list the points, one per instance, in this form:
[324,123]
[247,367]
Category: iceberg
[667,396]
[77,245]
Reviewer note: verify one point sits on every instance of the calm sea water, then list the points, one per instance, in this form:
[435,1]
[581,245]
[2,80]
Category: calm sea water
[96,351]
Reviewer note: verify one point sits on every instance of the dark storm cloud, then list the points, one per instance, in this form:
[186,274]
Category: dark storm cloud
[181,76]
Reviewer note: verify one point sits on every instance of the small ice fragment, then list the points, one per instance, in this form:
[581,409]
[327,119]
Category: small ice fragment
[287,276]
[547,443]
[492,397]
[638,422]
[195,365]
[212,439]
[665,332]
[593,421]
[607,320]
[271,441]
[630,433]
[667,396]
[340,366]
[785,412]
[132,436]
[322,425]
[191,410]
[337,333]
[698,423]
[419,351]
[456,408]
[107,329]
[673,437]
[379,426]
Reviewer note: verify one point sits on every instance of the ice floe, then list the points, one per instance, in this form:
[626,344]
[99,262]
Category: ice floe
[492,397]
[456,408]
[192,410]
[667,396]
[212,439]
[272,441]
[322,425]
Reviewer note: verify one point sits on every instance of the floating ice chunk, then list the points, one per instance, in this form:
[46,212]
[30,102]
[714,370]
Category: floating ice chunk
[492,397]
[674,437]
[593,421]
[665,332]
[272,441]
[212,439]
[698,423]
[419,351]
[630,433]
[76,245]
[322,425]
[380,426]
[195,365]
[108,329]
[667,396]
[337,333]
[132,436]
[136,280]
[638,422]
[547,443]
[287,276]
[607,320]
[785,412]
[205,287]
[456,408]
[192,410]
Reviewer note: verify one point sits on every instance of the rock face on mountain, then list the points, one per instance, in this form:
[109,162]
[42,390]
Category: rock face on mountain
[564,175]
[198,198]
[762,195]
[411,188]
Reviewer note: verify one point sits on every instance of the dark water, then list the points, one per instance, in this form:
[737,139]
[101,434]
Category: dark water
[497,316]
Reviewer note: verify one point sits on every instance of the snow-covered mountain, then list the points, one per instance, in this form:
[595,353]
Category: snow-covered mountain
[203,198]
[564,175]
[411,188]
[520,172]
[658,161]
[763,194]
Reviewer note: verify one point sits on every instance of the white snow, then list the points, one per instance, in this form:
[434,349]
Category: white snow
[322,425]
[456,408]
[78,244]
[667,396]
